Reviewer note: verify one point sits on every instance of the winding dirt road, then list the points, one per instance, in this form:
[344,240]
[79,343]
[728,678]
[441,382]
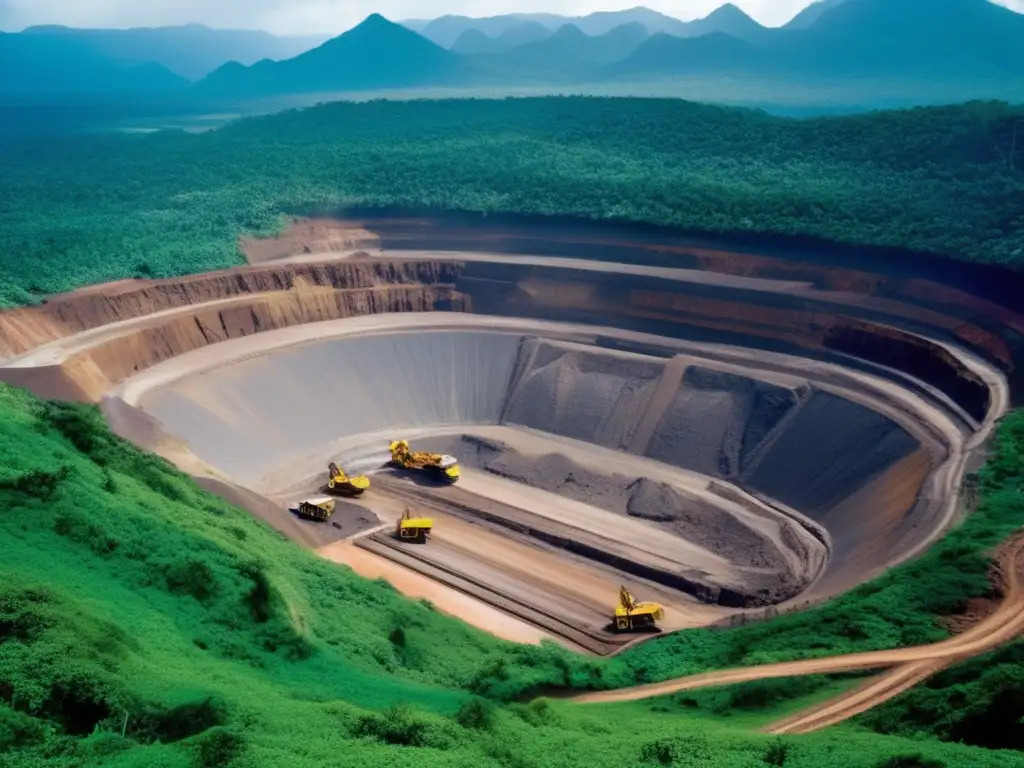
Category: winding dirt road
[906,666]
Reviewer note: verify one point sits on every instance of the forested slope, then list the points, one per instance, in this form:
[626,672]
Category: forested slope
[144,622]
[101,207]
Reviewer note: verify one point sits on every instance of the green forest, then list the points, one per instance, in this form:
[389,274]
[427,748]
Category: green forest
[144,622]
[104,206]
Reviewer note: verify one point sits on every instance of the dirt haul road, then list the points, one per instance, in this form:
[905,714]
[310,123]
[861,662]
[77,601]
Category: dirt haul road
[910,666]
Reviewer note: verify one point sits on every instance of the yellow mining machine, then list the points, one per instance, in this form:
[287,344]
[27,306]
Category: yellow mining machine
[440,466]
[631,616]
[415,529]
[317,510]
[339,482]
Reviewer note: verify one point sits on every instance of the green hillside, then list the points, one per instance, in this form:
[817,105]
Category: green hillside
[144,622]
[102,207]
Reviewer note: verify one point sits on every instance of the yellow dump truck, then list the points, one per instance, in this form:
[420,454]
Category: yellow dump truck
[439,466]
[631,616]
[317,510]
[415,529]
[341,483]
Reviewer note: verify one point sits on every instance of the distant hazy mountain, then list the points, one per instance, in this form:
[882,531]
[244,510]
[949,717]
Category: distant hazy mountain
[717,53]
[570,52]
[811,14]
[43,67]
[473,41]
[446,30]
[603,22]
[727,19]
[191,51]
[876,41]
[942,39]
[856,39]
[376,54]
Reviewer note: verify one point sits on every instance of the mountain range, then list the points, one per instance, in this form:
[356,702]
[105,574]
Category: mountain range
[446,31]
[377,54]
[191,51]
[835,40]
[41,66]
[66,61]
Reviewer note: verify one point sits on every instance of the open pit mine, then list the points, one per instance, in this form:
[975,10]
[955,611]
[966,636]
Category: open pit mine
[723,432]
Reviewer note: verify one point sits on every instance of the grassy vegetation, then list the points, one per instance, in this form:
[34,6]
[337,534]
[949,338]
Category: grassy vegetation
[93,208]
[978,702]
[144,622]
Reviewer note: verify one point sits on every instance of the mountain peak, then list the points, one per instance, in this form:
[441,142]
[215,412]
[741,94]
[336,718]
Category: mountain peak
[569,32]
[375,26]
[727,10]
[375,19]
[806,18]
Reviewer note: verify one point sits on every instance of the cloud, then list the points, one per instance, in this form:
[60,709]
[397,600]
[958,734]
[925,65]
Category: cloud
[329,17]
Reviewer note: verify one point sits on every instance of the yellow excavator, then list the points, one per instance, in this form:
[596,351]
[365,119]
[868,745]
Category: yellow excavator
[317,510]
[415,529]
[631,616]
[439,466]
[339,482]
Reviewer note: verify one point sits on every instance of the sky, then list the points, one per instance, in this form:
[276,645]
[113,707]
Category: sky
[330,17]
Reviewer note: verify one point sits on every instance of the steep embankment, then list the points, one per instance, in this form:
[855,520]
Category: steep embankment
[79,345]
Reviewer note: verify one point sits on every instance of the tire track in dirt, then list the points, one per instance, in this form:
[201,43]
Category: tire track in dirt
[906,667]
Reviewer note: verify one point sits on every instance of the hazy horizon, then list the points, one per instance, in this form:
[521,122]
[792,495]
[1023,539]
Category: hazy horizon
[331,17]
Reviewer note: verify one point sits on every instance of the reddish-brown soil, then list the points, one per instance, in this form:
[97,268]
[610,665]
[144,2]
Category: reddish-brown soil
[979,609]
[307,236]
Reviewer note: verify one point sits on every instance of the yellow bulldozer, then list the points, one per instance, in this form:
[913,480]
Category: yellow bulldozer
[440,466]
[317,510]
[341,483]
[415,529]
[631,616]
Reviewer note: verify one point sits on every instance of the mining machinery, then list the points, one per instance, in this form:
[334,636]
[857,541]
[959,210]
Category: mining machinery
[631,616]
[414,529]
[317,510]
[439,466]
[341,483]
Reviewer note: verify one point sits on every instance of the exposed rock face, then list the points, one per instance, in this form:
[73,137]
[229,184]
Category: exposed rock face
[112,362]
[24,329]
[192,312]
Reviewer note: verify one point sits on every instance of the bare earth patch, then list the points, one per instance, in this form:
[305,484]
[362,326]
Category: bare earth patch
[306,236]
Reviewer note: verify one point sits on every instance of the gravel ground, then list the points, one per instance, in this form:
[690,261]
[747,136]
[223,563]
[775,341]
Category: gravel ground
[830,449]
[717,420]
[597,397]
[664,506]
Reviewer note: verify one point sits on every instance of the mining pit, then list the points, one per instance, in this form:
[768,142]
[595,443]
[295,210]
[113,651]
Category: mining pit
[726,433]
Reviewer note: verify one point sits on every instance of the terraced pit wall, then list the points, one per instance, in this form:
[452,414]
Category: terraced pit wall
[858,316]
[978,306]
[194,312]
[748,430]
